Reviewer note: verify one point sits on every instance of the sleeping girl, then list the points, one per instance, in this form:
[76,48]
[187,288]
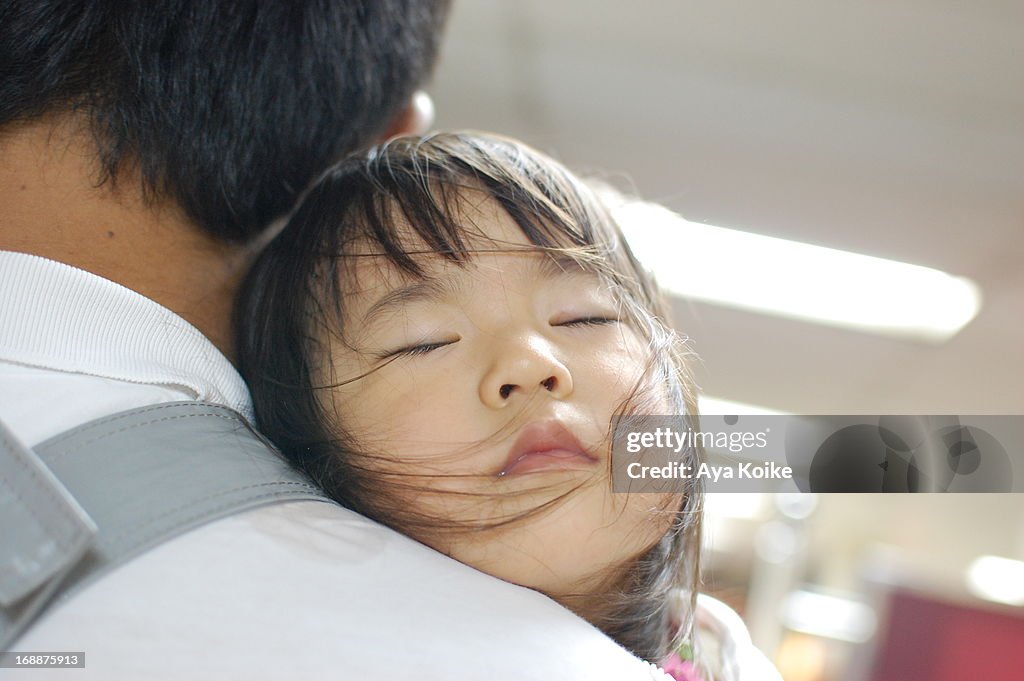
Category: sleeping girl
[440,338]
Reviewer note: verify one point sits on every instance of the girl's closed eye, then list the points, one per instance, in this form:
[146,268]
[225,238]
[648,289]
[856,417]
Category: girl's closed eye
[416,349]
[589,320]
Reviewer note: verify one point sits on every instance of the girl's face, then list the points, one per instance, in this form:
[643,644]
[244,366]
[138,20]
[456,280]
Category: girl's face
[490,387]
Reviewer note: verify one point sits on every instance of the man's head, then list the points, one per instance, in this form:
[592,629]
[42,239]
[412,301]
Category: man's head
[227,108]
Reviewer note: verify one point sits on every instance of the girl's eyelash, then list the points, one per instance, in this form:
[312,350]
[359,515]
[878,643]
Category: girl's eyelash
[596,320]
[413,350]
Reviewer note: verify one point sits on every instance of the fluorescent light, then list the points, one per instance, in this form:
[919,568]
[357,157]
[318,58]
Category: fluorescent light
[829,616]
[997,579]
[797,280]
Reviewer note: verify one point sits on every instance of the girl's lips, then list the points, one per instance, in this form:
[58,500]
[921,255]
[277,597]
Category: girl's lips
[546,445]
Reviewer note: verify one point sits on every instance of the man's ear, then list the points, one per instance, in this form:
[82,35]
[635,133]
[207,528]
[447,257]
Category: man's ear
[415,119]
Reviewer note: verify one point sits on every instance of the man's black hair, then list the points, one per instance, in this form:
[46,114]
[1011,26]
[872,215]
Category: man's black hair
[227,107]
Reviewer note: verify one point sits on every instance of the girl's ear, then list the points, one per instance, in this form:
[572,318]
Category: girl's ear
[415,119]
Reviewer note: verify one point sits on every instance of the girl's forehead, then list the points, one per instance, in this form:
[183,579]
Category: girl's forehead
[475,239]
[483,228]
[376,273]
[485,224]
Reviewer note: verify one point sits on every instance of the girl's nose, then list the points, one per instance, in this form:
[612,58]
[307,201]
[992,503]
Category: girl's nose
[520,369]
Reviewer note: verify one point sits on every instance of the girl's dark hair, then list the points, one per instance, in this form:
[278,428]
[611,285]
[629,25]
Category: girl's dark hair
[414,189]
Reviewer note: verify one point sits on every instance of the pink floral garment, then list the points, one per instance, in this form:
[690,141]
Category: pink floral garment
[680,669]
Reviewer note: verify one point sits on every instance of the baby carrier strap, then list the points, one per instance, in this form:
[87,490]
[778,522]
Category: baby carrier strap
[88,500]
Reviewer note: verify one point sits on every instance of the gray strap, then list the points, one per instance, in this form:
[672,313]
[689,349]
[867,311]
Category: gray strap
[43,533]
[140,477]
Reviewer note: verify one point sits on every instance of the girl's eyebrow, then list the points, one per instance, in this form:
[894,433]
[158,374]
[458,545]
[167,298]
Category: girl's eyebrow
[556,264]
[431,289]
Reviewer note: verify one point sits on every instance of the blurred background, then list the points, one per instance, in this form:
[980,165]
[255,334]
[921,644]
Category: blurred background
[887,129]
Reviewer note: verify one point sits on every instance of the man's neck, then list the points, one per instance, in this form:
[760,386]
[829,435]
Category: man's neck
[51,206]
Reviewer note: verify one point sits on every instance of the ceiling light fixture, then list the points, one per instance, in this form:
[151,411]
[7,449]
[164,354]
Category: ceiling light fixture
[797,280]
[997,579]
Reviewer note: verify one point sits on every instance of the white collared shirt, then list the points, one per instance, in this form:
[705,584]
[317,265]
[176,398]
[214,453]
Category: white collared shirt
[102,348]
[299,590]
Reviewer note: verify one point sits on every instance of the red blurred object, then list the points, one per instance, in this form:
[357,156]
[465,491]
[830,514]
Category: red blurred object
[931,640]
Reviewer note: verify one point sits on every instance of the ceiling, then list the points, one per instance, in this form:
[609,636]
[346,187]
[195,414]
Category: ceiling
[891,128]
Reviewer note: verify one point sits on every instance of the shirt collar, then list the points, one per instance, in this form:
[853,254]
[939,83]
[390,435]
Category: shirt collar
[59,317]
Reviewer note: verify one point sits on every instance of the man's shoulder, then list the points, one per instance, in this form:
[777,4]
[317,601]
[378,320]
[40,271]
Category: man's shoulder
[296,589]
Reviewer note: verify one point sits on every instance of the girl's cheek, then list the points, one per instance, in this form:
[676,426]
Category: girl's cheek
[622,366]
